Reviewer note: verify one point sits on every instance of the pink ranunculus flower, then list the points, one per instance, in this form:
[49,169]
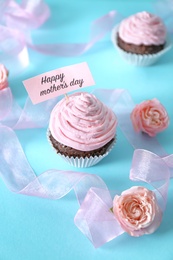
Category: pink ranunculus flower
[137,211]
[150,117]
[3,77]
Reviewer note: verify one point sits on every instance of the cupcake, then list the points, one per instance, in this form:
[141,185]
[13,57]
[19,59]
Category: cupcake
[3,77]
[141,38]
[82,129]
[149,117]
[138,211]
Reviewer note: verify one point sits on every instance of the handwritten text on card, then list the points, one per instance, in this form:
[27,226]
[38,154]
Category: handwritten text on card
[58,82]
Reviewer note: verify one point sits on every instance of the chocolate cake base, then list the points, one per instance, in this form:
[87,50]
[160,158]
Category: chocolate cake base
[139,49]
[71,152]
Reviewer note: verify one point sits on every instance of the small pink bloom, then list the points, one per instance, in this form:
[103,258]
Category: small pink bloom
[3,77]
[137,211]
[150,117]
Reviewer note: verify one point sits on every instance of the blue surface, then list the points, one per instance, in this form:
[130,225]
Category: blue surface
[34,228]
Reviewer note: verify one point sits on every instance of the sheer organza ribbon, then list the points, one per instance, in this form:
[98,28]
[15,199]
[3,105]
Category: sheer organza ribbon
[94,217]
[164,8]
[99,28]
[17,21]
[121,102]
[54,184]
[31,116]
[37,116]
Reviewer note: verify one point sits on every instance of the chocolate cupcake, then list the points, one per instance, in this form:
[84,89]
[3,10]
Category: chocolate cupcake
[141,38]
[82,129]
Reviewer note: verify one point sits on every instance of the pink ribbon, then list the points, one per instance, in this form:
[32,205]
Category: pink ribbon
[17,20]
[29,14]
[91,191]
[120,101]
[19,177]
[94,217]
[37,116]
[164,8]
[154,170]
[31,116]
[99,29]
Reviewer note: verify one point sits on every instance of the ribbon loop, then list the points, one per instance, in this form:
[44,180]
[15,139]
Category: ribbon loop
[152,169]
[31,116]
[14,167]
[53,184]
[95,219]
[30,14]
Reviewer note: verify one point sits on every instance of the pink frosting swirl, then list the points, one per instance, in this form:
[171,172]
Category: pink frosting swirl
[82,122]
[150,117]
[143,28]
[3,77]
[137,211]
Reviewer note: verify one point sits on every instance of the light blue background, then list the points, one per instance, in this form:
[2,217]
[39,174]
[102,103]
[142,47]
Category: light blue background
[34,228]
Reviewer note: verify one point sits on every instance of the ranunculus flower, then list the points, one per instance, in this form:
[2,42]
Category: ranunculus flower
[137,211]
[150,117]
[3,77]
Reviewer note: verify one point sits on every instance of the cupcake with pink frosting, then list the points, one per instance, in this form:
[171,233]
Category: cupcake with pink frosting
[150,117]
[82,129]
[141,38]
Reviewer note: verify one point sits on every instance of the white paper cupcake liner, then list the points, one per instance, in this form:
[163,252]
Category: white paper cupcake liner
[86,162]
[138,59]
[83,162]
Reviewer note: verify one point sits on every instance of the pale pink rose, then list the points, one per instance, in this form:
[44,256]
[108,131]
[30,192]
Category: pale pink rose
[3,77]
[150,117]
[137,211]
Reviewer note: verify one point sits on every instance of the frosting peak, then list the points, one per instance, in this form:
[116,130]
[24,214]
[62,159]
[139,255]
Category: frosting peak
[82,122]
[143,28]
